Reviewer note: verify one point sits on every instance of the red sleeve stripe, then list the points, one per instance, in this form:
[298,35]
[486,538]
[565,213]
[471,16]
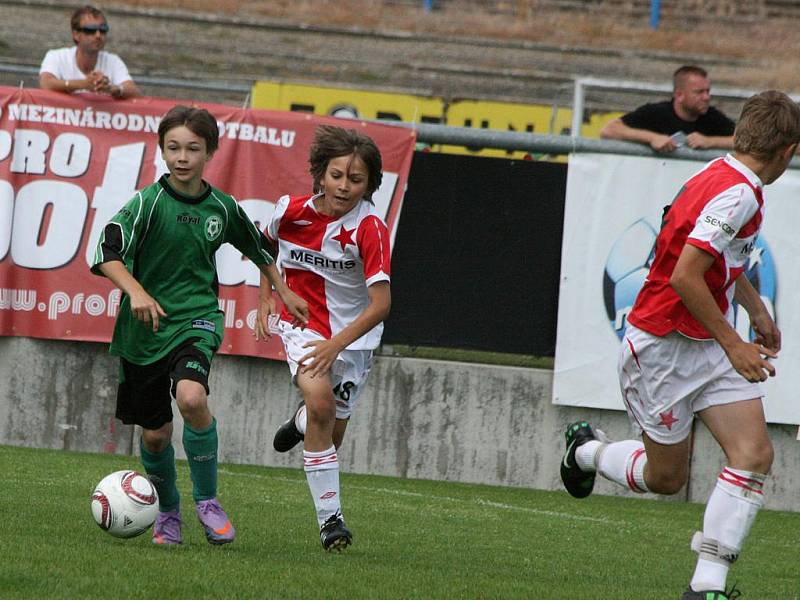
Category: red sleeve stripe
[703,245]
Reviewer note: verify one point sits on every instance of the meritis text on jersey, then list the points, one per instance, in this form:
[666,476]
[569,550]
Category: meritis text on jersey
[310,258]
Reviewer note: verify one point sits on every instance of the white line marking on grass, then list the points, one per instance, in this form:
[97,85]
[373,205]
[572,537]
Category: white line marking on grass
[480,501]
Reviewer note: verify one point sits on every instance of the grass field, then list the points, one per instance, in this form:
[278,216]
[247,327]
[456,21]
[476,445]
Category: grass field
[413,539]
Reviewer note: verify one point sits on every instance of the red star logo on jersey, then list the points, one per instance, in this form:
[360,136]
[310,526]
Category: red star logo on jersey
[668,419]
[345,237]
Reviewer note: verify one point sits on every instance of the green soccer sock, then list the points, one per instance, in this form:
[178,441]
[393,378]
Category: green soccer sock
[160,468]
[201,451]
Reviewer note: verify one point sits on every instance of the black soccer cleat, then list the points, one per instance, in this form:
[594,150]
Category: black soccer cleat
[334,535]
[578,483]
[732,594]
[288,436]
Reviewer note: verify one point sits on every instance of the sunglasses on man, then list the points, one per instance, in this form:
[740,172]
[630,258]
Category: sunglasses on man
[92,29]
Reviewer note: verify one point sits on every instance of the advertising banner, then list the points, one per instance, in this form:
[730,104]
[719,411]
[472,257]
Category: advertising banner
[612,216]
[459,112]
[69,163]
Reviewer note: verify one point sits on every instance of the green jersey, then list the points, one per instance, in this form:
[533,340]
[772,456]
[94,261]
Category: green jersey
[167,241]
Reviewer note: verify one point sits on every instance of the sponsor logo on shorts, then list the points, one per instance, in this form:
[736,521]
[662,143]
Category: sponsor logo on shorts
[196,366]
[204,324]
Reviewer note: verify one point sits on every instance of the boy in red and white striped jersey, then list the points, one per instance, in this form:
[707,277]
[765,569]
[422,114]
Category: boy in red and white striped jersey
[333,250]
[681,355]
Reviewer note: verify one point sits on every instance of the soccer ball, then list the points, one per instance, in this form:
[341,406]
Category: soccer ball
[125,504]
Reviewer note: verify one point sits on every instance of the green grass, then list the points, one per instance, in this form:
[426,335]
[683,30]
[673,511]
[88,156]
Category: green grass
[413,539]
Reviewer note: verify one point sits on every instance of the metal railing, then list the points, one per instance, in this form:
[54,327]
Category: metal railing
[429,133]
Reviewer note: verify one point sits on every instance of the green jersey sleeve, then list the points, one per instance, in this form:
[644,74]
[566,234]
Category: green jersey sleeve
[243,235]
[120,236]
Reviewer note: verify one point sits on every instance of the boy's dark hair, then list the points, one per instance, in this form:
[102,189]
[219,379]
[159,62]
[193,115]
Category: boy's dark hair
[769,123]
[75,20]
[197,120]
[681,73]
[332,142]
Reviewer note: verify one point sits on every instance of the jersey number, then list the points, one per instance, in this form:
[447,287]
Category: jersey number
[343,390]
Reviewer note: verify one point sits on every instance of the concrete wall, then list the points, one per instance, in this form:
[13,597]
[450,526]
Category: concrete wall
[418,418]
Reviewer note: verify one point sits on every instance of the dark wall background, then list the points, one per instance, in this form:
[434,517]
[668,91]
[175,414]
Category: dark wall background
[477,256]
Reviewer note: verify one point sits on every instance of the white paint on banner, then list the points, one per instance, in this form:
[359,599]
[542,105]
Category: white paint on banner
[613,211]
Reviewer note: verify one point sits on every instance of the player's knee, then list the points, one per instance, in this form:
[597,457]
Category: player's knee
[191,398]
[666,482]
[320,410]
[756,456]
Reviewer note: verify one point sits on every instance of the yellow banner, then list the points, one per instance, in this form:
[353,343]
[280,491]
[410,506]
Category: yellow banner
[367,104]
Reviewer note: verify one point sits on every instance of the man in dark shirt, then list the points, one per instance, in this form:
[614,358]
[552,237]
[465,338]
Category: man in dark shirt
[687,119]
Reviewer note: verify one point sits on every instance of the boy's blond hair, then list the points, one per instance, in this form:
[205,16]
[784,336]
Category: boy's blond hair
[769,123]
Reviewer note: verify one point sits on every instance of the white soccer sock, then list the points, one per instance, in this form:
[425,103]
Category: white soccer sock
[300,419]
[322,474]
[623,462]
[586,456]
[730,512]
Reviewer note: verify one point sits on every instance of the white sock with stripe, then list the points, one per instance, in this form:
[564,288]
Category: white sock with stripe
[622,462]
[730,512]
[322,475]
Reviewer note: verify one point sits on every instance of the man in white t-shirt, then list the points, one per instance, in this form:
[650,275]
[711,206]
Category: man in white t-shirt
[86,67]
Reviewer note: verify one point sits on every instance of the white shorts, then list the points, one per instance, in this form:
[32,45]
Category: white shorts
[666,380]
[349,372]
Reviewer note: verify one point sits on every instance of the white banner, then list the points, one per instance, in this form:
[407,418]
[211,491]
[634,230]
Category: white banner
[611,218]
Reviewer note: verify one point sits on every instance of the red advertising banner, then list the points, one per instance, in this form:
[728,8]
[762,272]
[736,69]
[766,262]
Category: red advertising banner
[69,163]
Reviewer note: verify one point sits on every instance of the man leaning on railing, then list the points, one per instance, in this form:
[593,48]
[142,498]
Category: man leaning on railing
[688,119]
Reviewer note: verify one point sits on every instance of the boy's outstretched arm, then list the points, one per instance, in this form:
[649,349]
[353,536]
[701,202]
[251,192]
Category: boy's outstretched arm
[323,353]
[143,306]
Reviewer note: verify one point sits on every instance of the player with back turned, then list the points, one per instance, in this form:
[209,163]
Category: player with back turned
[681,356]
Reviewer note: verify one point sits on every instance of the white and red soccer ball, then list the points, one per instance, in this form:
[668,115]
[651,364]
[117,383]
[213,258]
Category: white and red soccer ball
[125,504]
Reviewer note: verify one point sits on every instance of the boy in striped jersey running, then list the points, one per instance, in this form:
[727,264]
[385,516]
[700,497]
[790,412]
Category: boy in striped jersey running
[334,252]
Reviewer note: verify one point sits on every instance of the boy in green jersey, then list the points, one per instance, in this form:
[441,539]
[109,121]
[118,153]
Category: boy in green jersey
[159,250]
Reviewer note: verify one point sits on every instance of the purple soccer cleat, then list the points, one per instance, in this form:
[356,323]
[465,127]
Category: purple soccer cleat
[217,526]
[167,529]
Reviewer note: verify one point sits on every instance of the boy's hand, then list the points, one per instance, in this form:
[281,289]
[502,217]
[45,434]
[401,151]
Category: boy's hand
[296,306]
[320,360]
[145,308]
[767,332]
[266,308]
[751,361]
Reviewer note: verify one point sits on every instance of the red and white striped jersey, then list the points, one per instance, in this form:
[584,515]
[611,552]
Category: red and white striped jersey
[718,210]
[331,261]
